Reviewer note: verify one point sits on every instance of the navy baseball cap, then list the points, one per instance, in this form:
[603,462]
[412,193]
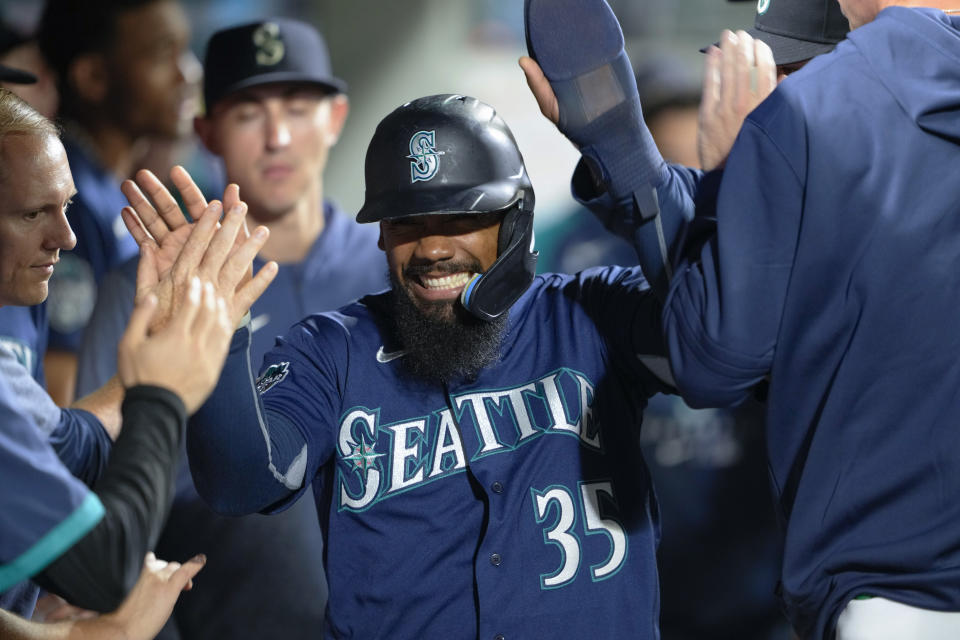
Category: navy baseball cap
[272,50]
[797,30]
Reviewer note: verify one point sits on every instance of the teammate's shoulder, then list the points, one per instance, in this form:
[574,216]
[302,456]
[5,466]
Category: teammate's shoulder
[811,90]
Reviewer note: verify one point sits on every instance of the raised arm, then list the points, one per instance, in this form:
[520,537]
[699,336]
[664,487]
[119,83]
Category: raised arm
[243,460]
[726,301]
[587,87]
[622,178]
[174,250]
[165,375]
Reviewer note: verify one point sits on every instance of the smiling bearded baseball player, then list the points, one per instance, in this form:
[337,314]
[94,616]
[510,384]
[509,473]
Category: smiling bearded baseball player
[469,435]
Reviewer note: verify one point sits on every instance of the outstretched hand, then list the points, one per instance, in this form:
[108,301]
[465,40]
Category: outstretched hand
[185,356]
[140,617]
[172,250]
[737,77]
[150,602]
[541,89]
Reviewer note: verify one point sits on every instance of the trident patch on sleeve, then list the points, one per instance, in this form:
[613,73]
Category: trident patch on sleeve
[270,378]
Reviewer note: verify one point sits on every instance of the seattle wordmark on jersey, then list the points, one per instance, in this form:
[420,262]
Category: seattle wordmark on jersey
[427,448]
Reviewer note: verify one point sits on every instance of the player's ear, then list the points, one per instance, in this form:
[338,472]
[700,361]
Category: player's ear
[88,78]
[203,127]
[339,110]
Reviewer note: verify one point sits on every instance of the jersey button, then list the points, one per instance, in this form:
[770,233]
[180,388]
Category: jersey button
[499,636]
[495,559]
[497,487]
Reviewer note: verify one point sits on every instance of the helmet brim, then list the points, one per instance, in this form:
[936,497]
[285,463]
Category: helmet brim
[483,198]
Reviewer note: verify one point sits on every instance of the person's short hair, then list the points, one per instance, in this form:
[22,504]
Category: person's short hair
[19,118]
[71,28]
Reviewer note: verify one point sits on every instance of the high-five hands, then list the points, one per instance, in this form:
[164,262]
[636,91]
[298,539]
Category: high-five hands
[737,77]
[186,354]
[173,250]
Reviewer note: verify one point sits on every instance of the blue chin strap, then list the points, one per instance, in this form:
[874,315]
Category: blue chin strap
[488,295]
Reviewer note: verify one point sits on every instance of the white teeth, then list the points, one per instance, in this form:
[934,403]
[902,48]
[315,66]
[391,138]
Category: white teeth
[447,282]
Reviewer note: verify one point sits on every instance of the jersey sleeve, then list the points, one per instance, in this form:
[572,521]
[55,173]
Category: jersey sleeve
[256,444]
[31,398]
[77,437]
[726,299]
[300,384]
[97,359]
[657,224]
[46,510]
[82,444]
[627,314]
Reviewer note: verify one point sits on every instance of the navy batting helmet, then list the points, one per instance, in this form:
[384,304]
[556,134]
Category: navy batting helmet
[449,154]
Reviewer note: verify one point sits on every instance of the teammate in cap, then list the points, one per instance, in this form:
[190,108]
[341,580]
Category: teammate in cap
[467,434]
[126,76]
[274,111]
[828,276]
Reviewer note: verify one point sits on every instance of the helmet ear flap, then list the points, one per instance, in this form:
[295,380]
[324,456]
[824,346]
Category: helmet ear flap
[508,227]
[491,294]
[514,222]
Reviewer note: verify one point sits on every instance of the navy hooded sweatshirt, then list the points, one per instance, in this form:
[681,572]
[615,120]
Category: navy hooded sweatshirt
[833,274]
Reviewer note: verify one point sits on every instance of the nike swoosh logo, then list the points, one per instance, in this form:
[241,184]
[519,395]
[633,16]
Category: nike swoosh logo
[259,322]
[383,357]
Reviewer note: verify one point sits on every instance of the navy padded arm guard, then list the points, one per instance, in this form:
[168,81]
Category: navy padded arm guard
[579,46]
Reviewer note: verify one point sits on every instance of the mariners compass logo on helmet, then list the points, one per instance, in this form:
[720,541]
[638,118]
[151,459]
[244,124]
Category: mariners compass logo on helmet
[762,6]
[424,157]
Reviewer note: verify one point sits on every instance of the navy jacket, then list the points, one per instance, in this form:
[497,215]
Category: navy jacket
[833,273]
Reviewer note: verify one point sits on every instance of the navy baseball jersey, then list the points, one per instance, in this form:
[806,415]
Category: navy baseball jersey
[721,547]
[515,504]
[46,510]
[75,436]
[102,244]
[23,332]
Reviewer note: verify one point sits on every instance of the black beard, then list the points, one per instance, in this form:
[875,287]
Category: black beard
[444,342]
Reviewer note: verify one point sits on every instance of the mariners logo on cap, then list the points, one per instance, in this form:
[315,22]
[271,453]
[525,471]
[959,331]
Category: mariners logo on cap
[762,6]
[270,49]
[424,157]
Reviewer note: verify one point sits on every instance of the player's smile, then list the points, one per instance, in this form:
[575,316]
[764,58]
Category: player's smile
[441,286]
[434,256]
